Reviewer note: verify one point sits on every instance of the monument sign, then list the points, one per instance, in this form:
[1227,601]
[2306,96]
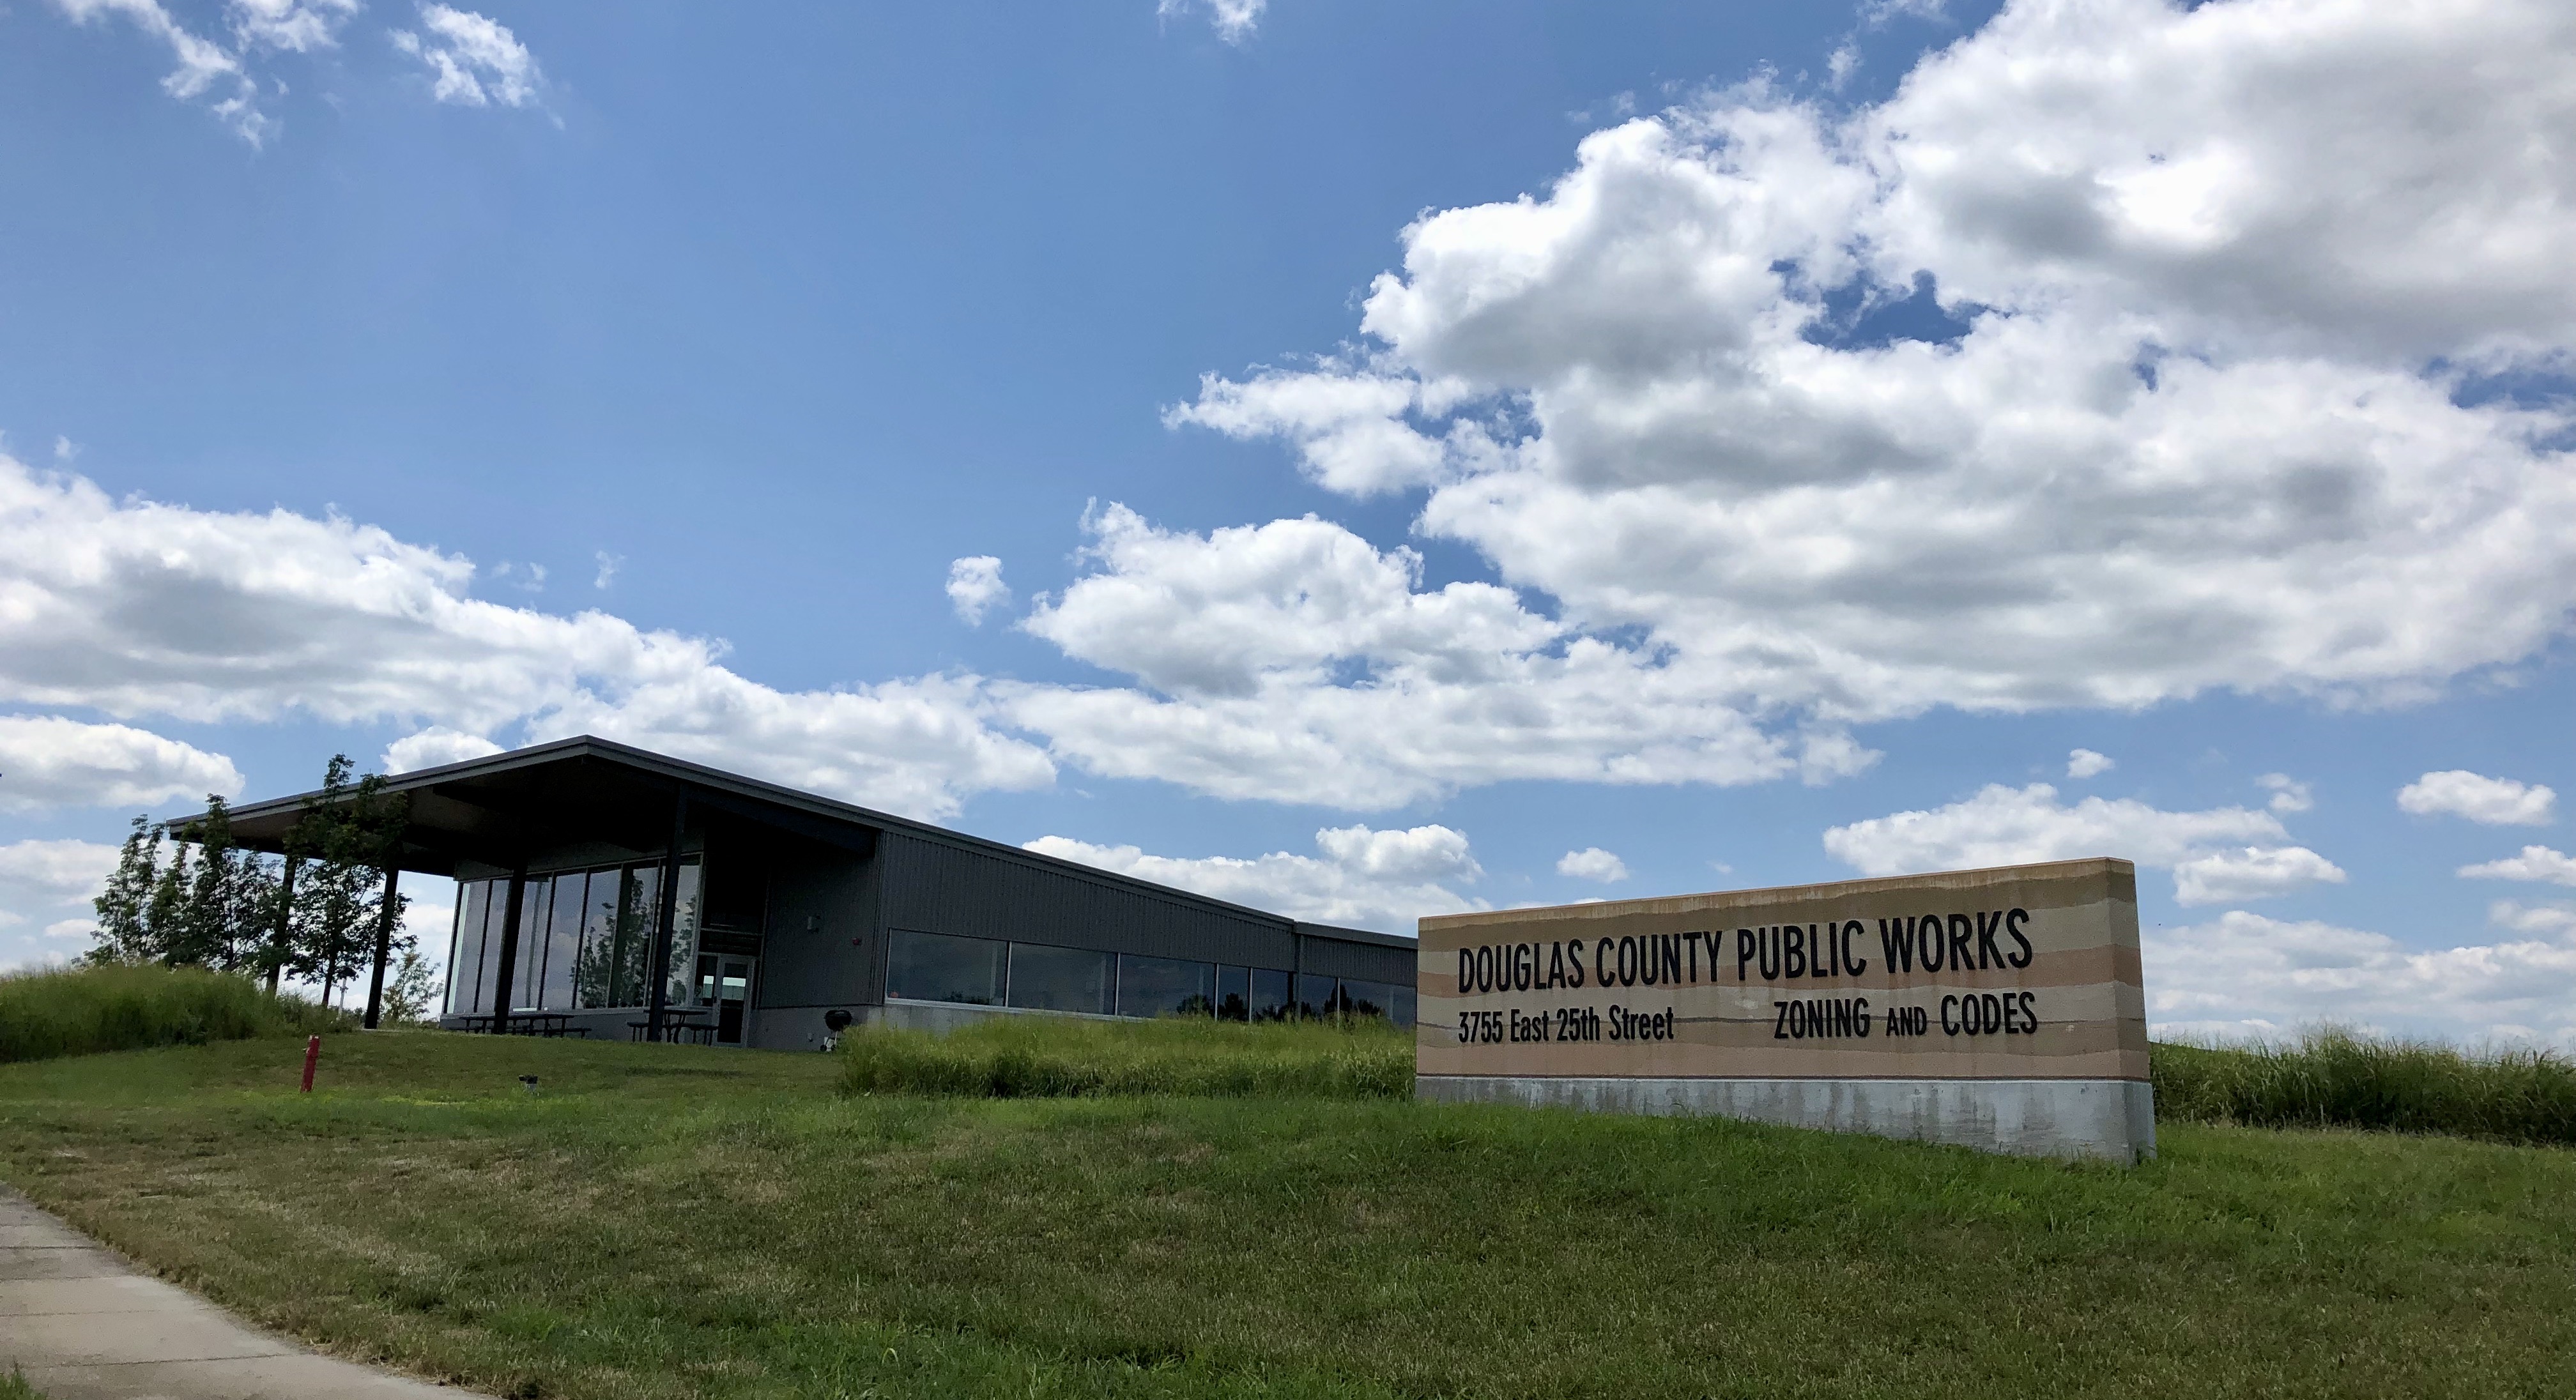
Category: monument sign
[2001,1009]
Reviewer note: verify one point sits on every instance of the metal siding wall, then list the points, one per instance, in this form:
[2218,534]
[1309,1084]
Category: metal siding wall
[835,964]
[944,889]
[1331,957]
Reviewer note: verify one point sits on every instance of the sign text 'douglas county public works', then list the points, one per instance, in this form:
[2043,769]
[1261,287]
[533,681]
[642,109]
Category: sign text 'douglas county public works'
[2026,972]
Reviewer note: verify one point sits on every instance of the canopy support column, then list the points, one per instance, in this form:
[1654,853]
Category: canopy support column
[666,919]
[385,913]
[502,990]
[281,940]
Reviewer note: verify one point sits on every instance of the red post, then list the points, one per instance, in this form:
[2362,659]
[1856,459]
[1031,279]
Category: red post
[312,1053]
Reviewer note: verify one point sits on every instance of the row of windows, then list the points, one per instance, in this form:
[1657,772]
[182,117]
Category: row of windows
[1038,977]
[585,939]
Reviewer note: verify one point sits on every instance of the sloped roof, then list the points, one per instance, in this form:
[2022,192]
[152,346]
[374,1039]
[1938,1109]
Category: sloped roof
[500,809]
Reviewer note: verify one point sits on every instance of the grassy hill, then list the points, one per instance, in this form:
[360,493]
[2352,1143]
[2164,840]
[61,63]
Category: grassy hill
[669,1221]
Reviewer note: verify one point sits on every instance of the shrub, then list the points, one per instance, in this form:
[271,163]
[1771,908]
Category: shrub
[1054,1057]
[2334,1078]
[80,1011]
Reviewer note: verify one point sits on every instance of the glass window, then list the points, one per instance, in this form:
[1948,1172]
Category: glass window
[598,944]
[1364,998]
[563,941]
[465,955]
[1399,1004]
[1390,1000]
[1059,979]
[1165,986]
[637,912]
[1314,996]
[944,967]
[1269,994]
[684,933]
[496,895]
[594,976]
[1233,995]
[535,898]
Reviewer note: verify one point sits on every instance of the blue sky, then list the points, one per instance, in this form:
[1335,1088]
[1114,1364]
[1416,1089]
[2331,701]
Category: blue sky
[1420,443]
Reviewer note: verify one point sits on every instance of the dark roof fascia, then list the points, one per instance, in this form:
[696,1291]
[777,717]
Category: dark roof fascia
[1357,935]
[431,777]
[682,772]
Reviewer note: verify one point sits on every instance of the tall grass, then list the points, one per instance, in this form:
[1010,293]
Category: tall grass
[82,1011]
[1058,1057]
[2328,1079]
[2334,1078]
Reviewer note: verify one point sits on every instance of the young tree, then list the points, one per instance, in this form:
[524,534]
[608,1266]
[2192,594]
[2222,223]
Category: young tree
[411,993]
[124,906]
[251,913]
[230,903]
[168,910]
[348,830]
[330,905]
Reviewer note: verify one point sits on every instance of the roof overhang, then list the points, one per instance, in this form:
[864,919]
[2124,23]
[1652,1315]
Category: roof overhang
[507,809]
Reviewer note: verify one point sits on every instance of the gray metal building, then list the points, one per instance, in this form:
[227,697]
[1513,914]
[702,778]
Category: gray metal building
[618,892]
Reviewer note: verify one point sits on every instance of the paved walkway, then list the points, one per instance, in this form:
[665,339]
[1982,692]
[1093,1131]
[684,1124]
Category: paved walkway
[86,1326]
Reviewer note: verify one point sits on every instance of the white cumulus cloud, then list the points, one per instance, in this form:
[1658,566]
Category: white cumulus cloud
[1593,863]
[1348,426]
[473,60]
[140,608]
[2532,918]
[2205,413]
[2245,975]
[1295,661]
[2085,763]
[434,747]
[2221,854]
[59,870]
[2288,794]
[1358,877]
[2251,872]
[2535,863]
[975,588]
[1233,20]
[2190,403]
[51,761]
[45,890]
[2490,801]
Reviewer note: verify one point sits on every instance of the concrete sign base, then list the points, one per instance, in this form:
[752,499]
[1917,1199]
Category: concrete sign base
[2108,1119]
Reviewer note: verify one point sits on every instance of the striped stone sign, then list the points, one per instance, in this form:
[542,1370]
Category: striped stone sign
[2001,1009]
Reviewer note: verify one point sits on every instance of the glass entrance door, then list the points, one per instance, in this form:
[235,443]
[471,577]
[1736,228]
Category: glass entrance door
[724,988]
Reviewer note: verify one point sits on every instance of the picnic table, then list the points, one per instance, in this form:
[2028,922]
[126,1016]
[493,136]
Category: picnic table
[677,1025]
[550,1024]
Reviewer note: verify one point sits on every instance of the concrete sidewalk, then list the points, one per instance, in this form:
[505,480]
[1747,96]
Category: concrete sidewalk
[85,1326]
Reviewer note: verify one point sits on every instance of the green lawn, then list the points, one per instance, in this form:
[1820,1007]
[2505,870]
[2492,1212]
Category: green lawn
[667,1221]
